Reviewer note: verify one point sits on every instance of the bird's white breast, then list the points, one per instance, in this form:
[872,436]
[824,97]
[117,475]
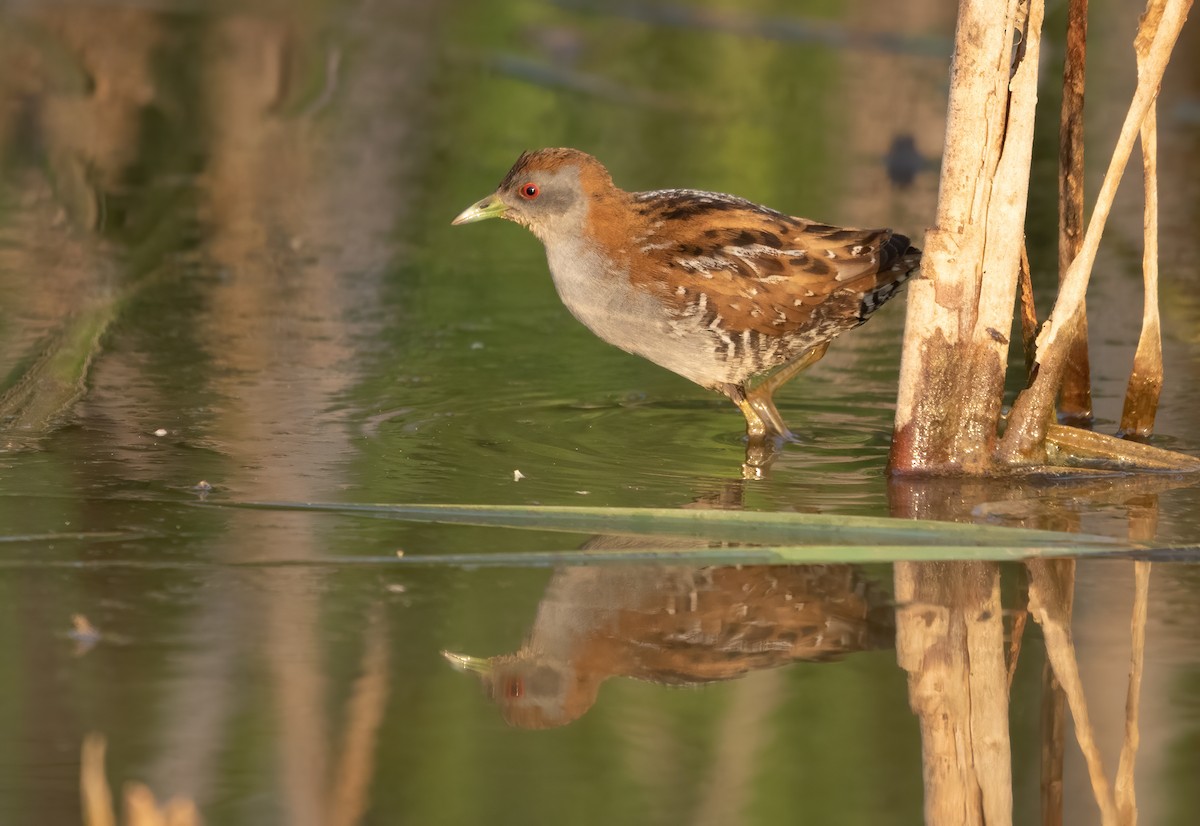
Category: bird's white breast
[608,305]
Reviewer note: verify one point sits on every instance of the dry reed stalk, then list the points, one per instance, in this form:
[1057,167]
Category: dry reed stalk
[1029,322]
[1077,443]
[1146,378]
[956,336]
[1024,439]
[1075,400]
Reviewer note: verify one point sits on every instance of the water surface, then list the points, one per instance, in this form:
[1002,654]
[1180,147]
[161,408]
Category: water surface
[248,212]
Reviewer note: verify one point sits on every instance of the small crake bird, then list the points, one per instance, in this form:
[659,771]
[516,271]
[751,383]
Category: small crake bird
[713,287]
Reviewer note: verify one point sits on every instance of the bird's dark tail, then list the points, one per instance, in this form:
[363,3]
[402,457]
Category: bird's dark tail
[899,261]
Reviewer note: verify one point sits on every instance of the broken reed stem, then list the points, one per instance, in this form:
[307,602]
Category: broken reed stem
[1009,189]
[1076,396]
[1126,797]
[956,334]
[1029,322]
[1024,438]
[1146,377]
[1086,447]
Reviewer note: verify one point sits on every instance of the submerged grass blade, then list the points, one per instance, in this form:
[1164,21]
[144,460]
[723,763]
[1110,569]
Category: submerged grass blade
[715,525]
[55,378]
[69,536]
[778,555]
[745,555]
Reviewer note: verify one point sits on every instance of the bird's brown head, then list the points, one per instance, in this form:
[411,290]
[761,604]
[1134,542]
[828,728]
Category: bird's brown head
[548,191]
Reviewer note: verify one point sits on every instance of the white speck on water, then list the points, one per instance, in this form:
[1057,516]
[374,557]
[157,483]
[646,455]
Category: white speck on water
[518,476]
[160,432]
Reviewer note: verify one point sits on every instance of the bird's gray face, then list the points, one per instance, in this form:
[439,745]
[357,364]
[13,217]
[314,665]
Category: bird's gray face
[528,684]
[531,690]
[547,201]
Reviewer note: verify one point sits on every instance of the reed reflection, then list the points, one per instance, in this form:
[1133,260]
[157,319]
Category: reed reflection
[961,658]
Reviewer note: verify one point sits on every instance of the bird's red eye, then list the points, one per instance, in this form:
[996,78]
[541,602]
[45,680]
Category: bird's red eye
[515,688]
[530,191]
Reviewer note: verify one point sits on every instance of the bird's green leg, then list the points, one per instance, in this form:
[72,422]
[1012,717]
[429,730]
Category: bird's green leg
[756,428]
[760,398]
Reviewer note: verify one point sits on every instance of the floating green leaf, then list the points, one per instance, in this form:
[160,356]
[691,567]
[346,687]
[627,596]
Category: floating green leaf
[801,533]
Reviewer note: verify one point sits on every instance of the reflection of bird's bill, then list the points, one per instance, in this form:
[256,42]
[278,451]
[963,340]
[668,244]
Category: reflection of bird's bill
[467,663]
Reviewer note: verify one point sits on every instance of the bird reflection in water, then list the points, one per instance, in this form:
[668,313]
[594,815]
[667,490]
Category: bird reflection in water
[678,626]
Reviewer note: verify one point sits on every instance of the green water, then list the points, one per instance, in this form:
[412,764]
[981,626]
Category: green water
[250,210]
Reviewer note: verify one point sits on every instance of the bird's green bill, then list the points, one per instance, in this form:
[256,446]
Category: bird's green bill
[489,207]
[462,662]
